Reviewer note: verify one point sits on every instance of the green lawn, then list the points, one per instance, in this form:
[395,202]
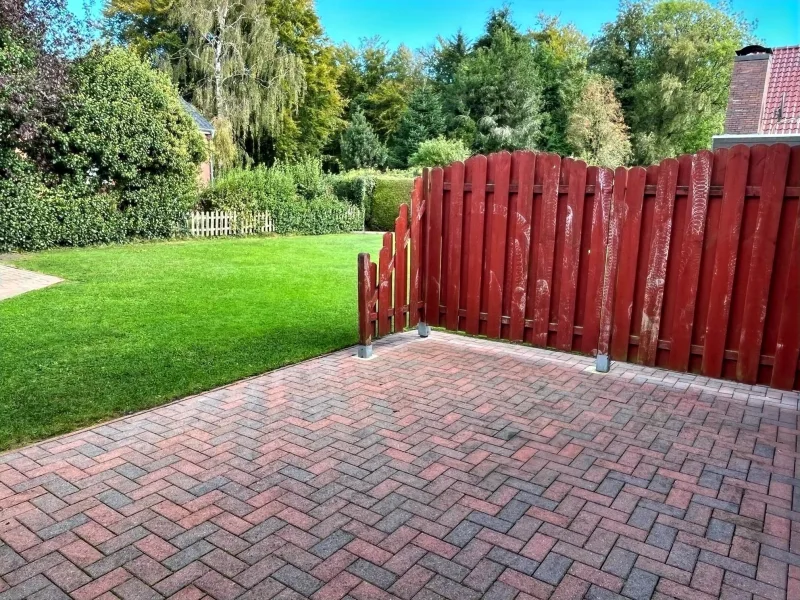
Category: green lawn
[135,326]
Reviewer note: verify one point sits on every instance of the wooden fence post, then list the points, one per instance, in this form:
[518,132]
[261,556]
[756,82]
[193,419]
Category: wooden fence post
[364,306]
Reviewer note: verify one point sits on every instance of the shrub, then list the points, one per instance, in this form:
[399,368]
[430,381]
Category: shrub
[299,197]
[123,164]
[439,153]
[390,193]
[355,189]
[124,122]
[324,214]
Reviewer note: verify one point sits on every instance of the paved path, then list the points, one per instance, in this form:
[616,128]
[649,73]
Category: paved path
[14,282]
[443,468]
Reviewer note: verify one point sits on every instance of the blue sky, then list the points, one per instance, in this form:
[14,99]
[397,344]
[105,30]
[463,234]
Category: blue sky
[416,23]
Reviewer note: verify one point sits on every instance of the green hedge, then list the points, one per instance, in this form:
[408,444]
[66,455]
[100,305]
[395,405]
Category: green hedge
[355,189]
[315,217]
[299,197]
[34,216]
[390,193]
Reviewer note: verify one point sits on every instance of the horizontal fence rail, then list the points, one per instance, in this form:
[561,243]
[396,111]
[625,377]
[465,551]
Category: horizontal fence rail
[692,264]
[218,223]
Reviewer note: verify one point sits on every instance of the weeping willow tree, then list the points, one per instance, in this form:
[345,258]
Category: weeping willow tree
[240,74]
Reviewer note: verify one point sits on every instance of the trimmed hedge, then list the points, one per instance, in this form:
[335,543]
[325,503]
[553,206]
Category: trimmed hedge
[390,193]
[355,189]
[315,217]
[35,217]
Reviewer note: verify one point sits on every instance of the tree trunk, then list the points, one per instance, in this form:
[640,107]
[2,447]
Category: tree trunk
[219,43]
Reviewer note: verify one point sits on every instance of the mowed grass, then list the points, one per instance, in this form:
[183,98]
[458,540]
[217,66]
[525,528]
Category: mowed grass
[138,325]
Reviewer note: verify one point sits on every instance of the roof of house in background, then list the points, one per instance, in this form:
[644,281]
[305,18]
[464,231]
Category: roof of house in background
[203,124]
[781,112]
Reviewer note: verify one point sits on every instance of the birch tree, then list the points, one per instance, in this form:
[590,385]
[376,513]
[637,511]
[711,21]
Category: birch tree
[240,72]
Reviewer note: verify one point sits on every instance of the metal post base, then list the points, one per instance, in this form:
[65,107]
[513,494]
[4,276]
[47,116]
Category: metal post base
[603,363]
[364,351]
[423,329]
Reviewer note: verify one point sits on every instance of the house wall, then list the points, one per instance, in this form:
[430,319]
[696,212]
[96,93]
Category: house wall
[206,173]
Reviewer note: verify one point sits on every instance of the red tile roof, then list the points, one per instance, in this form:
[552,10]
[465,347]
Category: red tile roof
[783,93]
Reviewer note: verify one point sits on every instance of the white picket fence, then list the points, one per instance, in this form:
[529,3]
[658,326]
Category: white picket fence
[216,223]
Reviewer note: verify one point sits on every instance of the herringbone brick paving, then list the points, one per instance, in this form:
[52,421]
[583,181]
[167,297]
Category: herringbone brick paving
[443,468]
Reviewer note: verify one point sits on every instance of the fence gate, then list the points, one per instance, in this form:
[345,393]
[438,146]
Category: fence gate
[692,264]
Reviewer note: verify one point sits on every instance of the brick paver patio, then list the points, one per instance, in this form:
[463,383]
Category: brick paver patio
[14,282]
[443,468]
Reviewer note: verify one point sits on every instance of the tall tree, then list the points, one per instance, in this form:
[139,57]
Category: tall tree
[671,61]
[379,82]
[494,100]
[596,128]
[244,75]
[423,120]
[36,39]
[307,130]
[560,53]
[360,147]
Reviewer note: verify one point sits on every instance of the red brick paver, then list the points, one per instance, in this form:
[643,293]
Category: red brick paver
[442,468]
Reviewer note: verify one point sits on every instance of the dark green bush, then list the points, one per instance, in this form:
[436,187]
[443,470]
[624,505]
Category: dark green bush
[390,193]
[122,165]
[314,217]
[355,189]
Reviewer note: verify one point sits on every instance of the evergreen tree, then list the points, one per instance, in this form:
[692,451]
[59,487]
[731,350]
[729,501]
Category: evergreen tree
[494,101]
[360,146]
[560,53]
[423,120]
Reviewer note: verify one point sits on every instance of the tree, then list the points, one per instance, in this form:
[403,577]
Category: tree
[560,53]
[423,120]
[596,127]
[307,130]
[36,39]
[378,82]
[360,147]
[671,62]
[494,100]
[124,126]
[443,59]
[243,74]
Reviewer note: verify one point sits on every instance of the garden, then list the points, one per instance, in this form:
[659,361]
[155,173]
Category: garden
[99,164]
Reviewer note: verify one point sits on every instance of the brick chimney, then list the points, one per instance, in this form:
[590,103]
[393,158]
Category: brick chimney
[751,68]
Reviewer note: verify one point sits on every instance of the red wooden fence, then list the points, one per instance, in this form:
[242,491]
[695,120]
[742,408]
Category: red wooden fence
[692,264]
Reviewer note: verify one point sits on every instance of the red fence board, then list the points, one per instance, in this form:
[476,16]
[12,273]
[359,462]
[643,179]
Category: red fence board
[693,264]
[629,251]
[400,274]
[475,169]
[597,257]
[385,274]
[616,221]
[573,225]
[433,247]
[415,275]
[759,279]
[497,223]
[690,250]
[550,165]
[657,264]
[454,244]
[519,236]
